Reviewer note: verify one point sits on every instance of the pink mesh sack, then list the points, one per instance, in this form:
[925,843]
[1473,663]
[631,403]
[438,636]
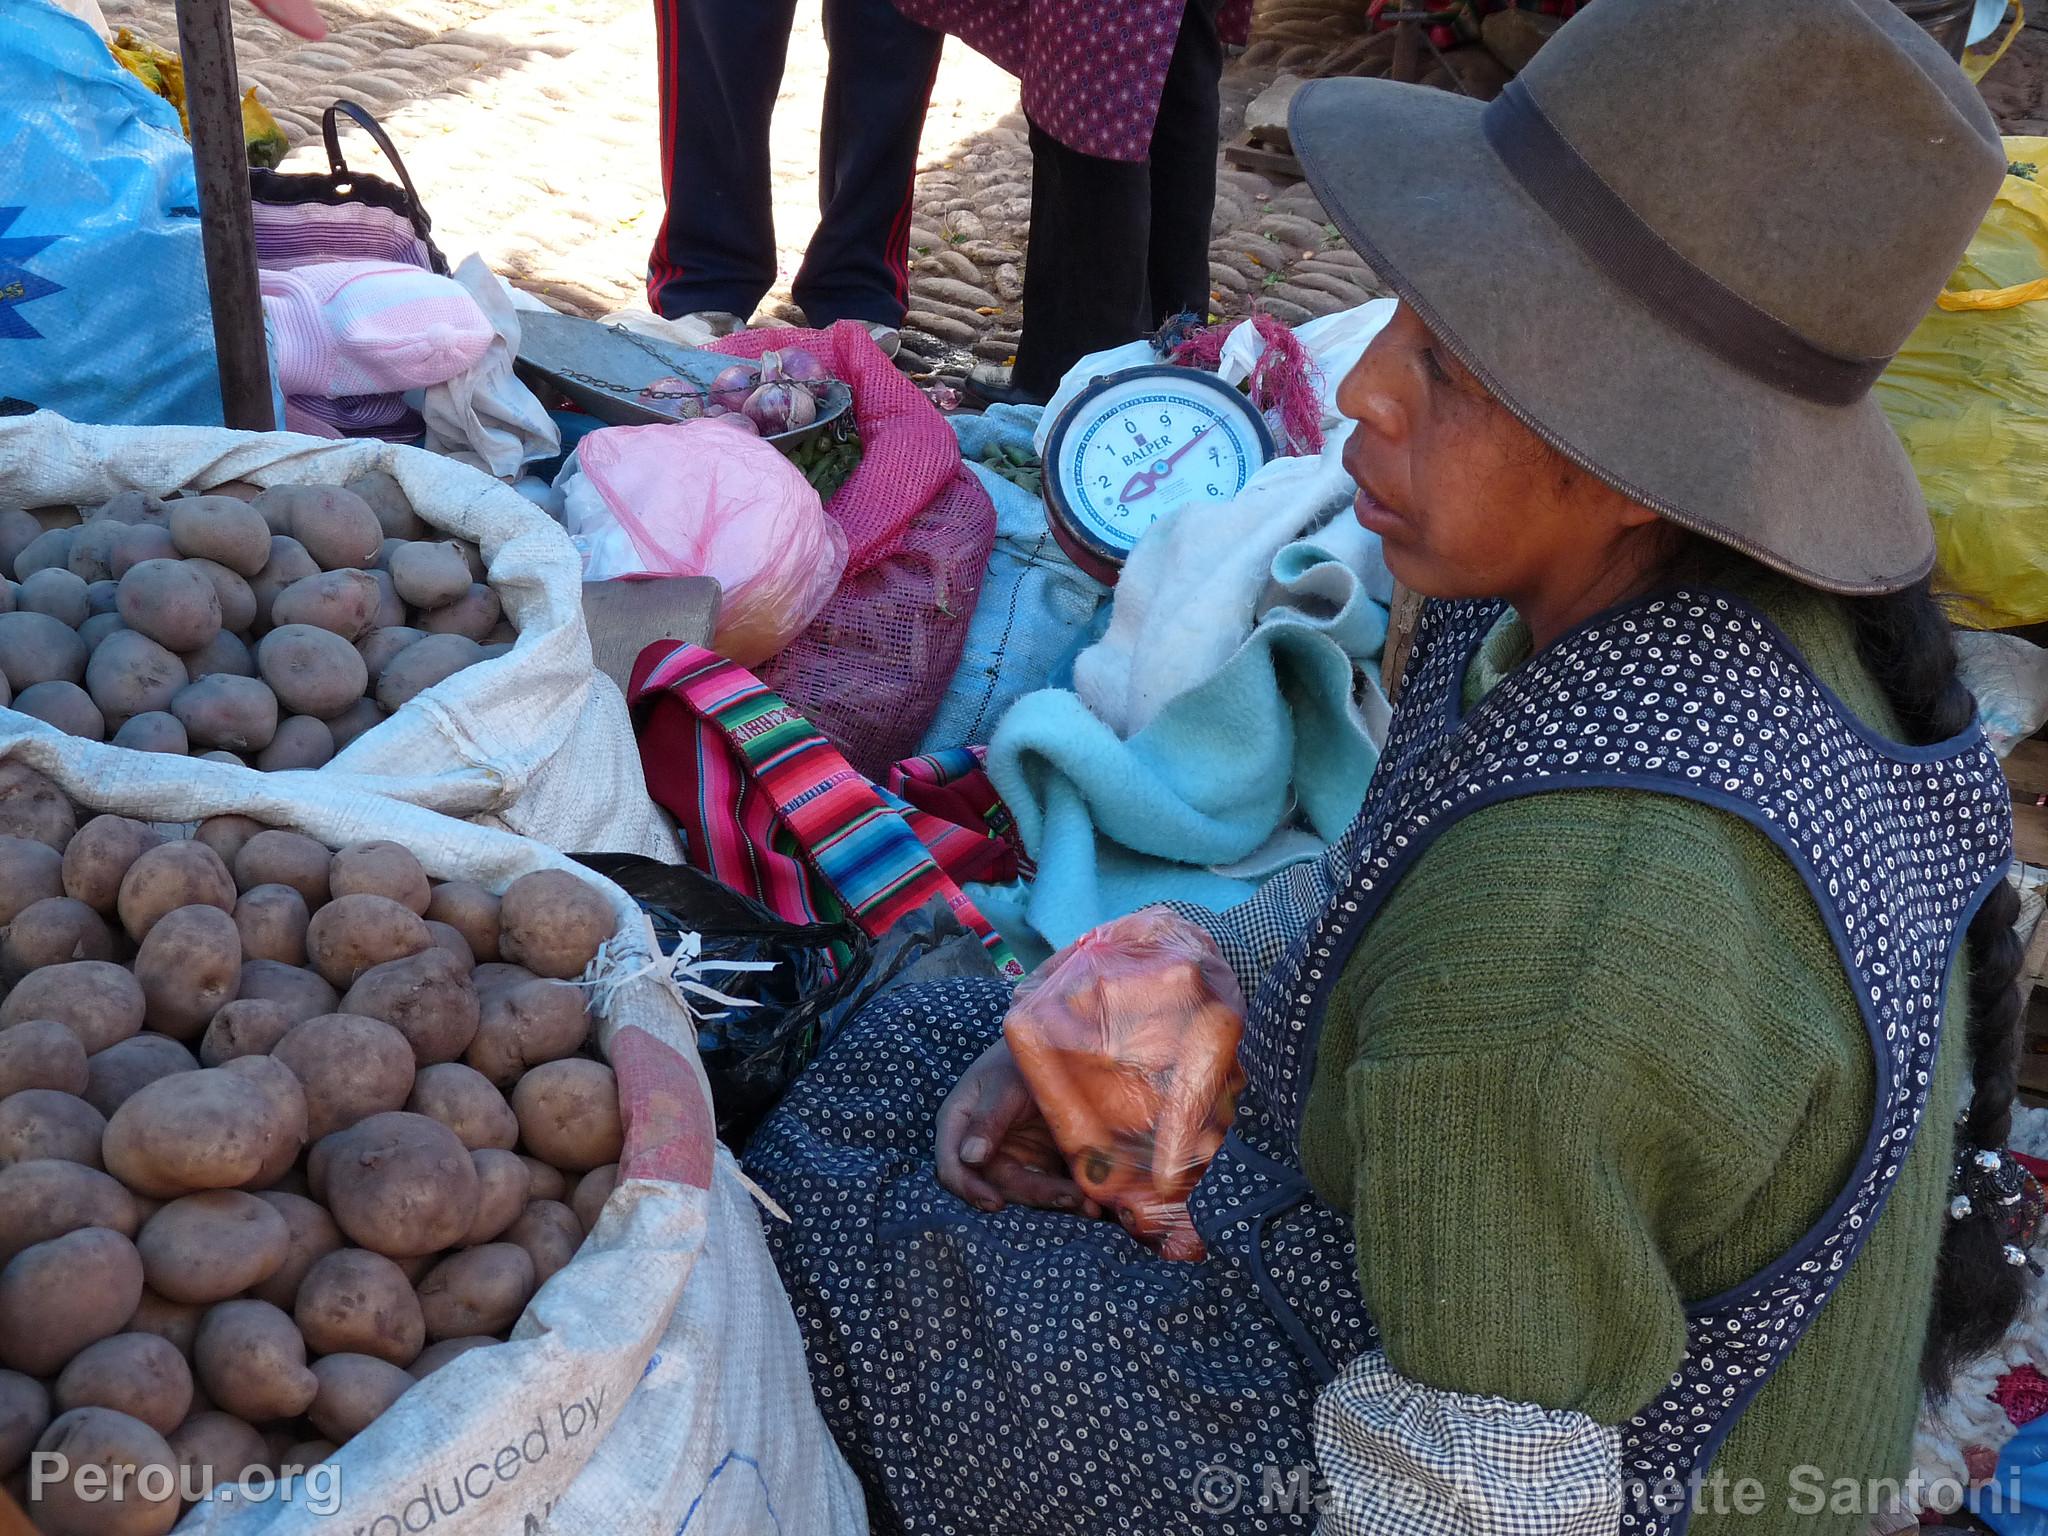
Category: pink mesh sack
[870,672]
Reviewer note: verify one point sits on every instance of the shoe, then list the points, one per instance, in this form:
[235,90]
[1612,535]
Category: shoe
[692,330]
[713,323]
[993,383]
[887,337]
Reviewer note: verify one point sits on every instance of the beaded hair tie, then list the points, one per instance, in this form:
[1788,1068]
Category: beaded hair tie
[1995,1183]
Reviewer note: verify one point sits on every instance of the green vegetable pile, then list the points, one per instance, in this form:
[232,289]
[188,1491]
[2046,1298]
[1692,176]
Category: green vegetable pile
[829,459]
[1019,466]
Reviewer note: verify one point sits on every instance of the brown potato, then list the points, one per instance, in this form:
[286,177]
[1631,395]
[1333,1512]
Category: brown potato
[58,593]
[58,1296]
[46,1198]
[550,1234]
[284,858]
[552,922]
[24,1415]
[210,1129]
[354,1389]
[421,665]
[544,1180]
[207,1247]
[430,575]
[300,993]
[49,550]
[237,598]
[592,1191]
[41,1053]
[38,1123]
[379,646]
[337,527]
[434,1356]
[463,1099]
[474,615]
[190,968]
[354,934]
[426,997]
[305,1455]
[300,743]
[285,1099]
[243,1029]
[312,671]
[344,601]
[469,909]
[34,808]
[363,715]
[124,1069]
[251,1361]
[288,563]
[381,869]
[390,606]
[154,733]
[479,1290]
[171,1320]
[100,601]
[35,648]
[172,603]
[402,1185]
[100,856]
[353,1301]
[525,1024]
[225,654]
[313,1236]
[97,1001]
[451,940]
[140,543]
[167,878]
[138,1374]
[272,921]
[19,529]
[502,1184]
[222,711]
[393,507]
[134,1491]
[65,706]
[30,872]
[227,835]
[55,931]
[215,1448]
[132,507]
[569,1113]
[352,1067]
[223,529]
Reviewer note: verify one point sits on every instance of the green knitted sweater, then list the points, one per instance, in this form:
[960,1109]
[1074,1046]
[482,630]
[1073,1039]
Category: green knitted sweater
[1595,1058]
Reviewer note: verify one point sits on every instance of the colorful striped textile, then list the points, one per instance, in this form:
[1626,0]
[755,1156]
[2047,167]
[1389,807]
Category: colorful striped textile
[769,807]
[956,813]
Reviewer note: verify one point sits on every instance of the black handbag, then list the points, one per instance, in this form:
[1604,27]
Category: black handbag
[344,215]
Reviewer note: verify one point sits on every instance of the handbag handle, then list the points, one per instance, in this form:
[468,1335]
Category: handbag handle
[362,119]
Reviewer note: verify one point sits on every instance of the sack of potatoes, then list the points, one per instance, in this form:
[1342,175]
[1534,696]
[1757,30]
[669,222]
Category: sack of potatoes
[269,628]
[284,1129]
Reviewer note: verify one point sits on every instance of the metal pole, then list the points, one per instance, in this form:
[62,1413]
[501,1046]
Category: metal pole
[213,105]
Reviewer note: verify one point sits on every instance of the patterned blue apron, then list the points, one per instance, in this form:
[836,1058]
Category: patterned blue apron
[1031,1372]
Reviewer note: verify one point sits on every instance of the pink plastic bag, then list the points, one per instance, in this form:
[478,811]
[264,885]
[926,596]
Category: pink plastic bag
[701,499]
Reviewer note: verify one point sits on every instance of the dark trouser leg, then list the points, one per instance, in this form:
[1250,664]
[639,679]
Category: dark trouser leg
[721,66]
[877,86]
[1183,167]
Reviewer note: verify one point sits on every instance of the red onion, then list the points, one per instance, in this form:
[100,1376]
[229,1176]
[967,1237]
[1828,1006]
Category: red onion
[771,367]
[732,386]
[781,408]
[801,367]
[684,397]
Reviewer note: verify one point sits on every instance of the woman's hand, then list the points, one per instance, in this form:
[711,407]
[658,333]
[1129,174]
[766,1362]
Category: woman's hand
[993,1146]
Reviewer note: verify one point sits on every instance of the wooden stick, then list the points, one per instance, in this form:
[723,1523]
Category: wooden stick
[213,105]
[1407,64]
[1401,623]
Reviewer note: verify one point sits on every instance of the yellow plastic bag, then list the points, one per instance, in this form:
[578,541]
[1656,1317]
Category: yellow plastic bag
[1968,396]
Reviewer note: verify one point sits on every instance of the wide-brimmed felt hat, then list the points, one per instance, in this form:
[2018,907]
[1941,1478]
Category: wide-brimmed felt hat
[1681,247]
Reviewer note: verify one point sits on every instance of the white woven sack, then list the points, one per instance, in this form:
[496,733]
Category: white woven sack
[536,741]
[660,1371]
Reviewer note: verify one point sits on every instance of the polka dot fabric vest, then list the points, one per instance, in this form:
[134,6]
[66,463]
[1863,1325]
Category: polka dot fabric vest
[1693,694]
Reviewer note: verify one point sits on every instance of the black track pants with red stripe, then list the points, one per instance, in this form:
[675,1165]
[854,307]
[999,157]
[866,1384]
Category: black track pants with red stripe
[721,68]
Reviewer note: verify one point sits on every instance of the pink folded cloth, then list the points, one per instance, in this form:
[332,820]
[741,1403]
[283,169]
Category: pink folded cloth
[346,328]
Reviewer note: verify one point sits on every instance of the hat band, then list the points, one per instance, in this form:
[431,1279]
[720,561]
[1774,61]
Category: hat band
[1692,302]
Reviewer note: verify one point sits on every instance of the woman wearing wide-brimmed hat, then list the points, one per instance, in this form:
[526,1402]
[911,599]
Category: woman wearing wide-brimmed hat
[1600,1140]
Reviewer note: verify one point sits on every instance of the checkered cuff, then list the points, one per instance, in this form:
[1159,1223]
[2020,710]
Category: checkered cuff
[1256,936]
[1401,1459]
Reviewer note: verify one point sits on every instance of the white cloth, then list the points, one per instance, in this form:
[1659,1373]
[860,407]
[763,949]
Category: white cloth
[485,416]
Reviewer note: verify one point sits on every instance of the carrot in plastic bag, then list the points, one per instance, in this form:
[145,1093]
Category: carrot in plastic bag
[1127,1039]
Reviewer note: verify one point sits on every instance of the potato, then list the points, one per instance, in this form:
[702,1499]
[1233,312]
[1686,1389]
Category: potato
[24,1415]
[101,1003]
[469,909]
[285,1099]
[66,706]
[463,1099]
[153,732]
[379,646]
[337,527]
[172,603]
[251,1361]
[100,857]
[344,601]
[210,1129]
[96,631]
[131,507]
[496,649]
[272,920]
[91,555]
[46,1198]
[384,496]
[164,879]
[18,530]
[222,529]
[35,648]
[29,872]
[215,1448]
[190,968]
[592,1191]
[391,609]
[143,542]
[225,654]
[449,939]
[544,1180]
[353,1301]
[354,1389]
[137,1374]
[312,1237]
[474,615]
[285,858]
[55,931]
[549,1233]
[134,1491]
[222,711]
[207,1247]
[386,550]
[421,665]
[58,593]
[170,1320]
[288,563]
[301,743]
[351,1068]
[434,1356]
[42,1123]
[355,933]
[402,1185]
[33,808]
[502,1185]
[429,575]
[122,1070]
[227,835]
[58,1296]
[479,1290]
[237,597]
[363,715]
[49,550]
[381,869]
[569,1113]
[552,922]
[101,599]
[525,1024]
[427,998]
[41,1053]
[300,993]
[305,1455]
[312,671]
[243,1029]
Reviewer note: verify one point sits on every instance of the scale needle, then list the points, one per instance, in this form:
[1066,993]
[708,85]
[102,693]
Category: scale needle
[1146,480]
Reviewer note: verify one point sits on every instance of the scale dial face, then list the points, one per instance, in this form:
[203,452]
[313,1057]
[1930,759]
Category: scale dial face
[1138,443]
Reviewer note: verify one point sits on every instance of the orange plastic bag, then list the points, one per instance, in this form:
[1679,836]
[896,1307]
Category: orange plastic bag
[1127,1039]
